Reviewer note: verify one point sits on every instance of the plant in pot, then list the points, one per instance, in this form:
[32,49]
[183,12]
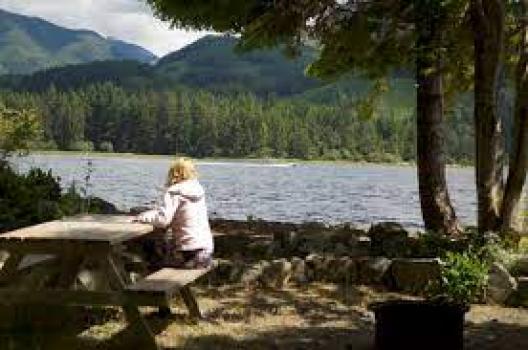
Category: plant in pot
[436,321]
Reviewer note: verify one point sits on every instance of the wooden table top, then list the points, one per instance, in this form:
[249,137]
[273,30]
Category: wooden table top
[111,229]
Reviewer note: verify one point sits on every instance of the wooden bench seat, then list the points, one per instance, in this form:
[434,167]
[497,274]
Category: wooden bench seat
[158,288]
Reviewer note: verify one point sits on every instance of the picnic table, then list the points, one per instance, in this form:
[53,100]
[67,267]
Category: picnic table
[91,240]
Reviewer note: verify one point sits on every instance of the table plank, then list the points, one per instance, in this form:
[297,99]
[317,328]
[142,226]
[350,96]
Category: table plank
[113,229]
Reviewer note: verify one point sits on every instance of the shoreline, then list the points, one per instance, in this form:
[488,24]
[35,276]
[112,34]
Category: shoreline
[293,161]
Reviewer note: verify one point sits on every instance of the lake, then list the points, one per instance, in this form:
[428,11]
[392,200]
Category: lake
[330,193]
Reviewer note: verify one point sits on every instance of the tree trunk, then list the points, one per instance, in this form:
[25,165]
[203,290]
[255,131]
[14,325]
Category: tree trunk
[487,18]
[518,165]
[437,211]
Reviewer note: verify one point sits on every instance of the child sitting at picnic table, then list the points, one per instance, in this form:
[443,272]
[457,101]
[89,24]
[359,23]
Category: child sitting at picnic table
[184,211]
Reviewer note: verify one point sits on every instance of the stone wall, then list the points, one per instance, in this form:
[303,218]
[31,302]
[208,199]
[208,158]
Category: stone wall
[271,254]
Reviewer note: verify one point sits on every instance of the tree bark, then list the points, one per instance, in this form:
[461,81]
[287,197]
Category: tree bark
[437,211]
[518,165]
[487,18]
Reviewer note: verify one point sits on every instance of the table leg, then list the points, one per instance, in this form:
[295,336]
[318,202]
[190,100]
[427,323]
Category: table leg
[136,323]
[190,302]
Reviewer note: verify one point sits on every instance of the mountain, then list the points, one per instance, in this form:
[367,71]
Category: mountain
[213,63]
[125,73]
[210,63]
[29,44]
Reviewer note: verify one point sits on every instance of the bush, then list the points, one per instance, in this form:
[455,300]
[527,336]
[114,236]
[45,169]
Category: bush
[82,146]
[332,154]
[48,145]
[36,197]
[264,152]
[17,130]
[350,155]
[27,199]
[463,278]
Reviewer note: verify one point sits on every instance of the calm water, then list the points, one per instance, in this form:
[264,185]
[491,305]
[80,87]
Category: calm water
[281,192]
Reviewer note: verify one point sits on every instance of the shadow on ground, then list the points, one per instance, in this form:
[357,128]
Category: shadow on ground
[495,335]
[287,338]
[313,317]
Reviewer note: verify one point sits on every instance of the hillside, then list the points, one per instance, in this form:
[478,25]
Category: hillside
[29,44]
[210,63]
[214,64]
[126,73]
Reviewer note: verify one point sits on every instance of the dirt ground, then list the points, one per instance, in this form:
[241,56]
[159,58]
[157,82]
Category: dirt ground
[317,316]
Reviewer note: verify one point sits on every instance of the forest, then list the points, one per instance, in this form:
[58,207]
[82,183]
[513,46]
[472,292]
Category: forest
[110,118]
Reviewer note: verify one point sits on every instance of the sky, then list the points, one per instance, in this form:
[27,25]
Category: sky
[128,20]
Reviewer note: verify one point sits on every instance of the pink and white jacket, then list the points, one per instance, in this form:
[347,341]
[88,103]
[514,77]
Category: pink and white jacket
[185,212]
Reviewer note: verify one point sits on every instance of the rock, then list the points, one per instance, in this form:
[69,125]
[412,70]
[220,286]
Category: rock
[101,206]
[373,270]
[237,269]
[257,249]
[313,227]
[520,297]
[298,270]
[252,275]
[520,267]
[389,239]
[233,246]
[331,271]
[284,241]
[343,270]
[501,285]
[414,275]
[274,248]
[303,246]
[137,210]
[220,274]
[277,274]
[340,249]
[314,263]
[307,243]
[342,236]
[359,246]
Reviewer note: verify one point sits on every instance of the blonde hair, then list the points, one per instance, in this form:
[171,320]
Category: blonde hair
[182,169]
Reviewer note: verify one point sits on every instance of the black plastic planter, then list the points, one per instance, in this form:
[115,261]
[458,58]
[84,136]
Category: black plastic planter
[424,325]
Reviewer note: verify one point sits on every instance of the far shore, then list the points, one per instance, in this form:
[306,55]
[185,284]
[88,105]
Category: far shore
[241,160]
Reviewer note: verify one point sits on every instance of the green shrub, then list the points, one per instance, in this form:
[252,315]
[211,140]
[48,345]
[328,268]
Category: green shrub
[27,199]
[463,278]
[17,130]
[48,145]
[82,146]
[332,154]
[36,197]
